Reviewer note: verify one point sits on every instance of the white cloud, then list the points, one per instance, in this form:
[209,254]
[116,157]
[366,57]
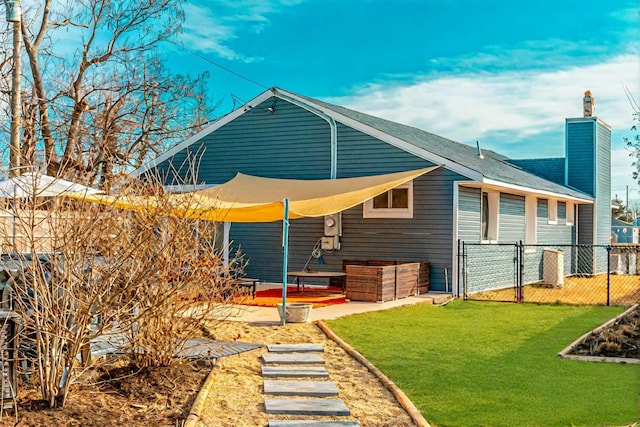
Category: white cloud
[211,28]
[466,107]
[506,110]
[621,173]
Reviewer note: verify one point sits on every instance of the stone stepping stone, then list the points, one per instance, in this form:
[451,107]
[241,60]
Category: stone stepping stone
[309,423]
[292,359]
[295,372]
[300,388]
[295,348]
[327,407]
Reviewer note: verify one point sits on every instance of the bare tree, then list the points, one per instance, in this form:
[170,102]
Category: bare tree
[109,102]
[633,143]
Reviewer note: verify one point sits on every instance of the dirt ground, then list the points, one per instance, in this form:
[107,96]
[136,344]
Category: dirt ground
[236,398]
[117,397]
[164,396]
[623,290]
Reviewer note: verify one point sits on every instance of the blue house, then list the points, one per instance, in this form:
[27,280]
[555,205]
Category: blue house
[624,233]
[474,196]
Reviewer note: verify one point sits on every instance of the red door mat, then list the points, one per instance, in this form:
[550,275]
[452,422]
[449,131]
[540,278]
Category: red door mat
[317,297]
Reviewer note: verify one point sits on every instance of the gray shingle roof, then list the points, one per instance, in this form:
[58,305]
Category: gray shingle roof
[493,166]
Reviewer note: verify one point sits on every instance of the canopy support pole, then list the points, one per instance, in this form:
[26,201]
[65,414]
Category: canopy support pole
[285,257]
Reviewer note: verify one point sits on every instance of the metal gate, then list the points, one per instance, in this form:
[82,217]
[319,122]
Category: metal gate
[485,268]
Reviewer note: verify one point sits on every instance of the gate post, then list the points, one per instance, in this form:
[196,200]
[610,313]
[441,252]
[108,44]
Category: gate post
[608,274]
[520,284]
[462,268]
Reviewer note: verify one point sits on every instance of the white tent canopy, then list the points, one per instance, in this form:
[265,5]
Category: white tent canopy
[38,185]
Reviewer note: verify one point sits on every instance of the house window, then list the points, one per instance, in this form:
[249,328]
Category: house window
[530,219]
[562,213]
[552,212]
[489,210]
[395,203]
[570,213]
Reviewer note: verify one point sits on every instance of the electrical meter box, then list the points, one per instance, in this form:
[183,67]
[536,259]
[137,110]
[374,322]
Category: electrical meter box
[333,225]
[330,243]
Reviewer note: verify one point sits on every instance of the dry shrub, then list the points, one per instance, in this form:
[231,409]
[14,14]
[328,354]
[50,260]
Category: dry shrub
[134,274]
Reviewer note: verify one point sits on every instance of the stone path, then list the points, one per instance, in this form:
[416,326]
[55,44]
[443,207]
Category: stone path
[295,371]
[313,398]
[298,388]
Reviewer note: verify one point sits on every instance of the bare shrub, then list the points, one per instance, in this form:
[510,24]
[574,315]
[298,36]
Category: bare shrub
[144,278]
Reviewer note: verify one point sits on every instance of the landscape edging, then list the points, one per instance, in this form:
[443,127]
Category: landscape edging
[402,398]
[196,409]
[565,353]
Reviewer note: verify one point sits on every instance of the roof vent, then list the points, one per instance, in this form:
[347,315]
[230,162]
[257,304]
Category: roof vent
[480,155]
[588,104]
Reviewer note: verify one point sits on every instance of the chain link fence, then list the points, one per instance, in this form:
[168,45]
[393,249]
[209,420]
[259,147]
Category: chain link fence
[550,274]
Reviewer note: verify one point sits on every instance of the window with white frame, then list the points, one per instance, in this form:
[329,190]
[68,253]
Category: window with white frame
[395,203]
[489,211]
[530,220]
[552,211]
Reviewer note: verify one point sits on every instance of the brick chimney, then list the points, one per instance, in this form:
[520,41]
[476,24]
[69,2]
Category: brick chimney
[588,104]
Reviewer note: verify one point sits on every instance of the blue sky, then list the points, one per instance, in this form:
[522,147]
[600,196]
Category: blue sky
[505,73]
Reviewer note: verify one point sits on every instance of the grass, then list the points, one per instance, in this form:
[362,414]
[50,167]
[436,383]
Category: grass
[496,364]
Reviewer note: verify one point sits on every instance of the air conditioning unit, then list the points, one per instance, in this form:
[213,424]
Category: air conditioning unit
[553,267]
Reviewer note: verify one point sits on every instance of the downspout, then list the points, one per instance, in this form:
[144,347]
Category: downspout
[332,126]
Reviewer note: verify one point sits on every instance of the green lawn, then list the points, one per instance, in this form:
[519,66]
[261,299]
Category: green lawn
[496,364]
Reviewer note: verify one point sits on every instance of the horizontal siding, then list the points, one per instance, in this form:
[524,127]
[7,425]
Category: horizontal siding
[294,143]
[360,154]
[279,145]
[603,186]
[551,234]
[469,202]
[511,221]
[585,224]
[425,238]
[581,156]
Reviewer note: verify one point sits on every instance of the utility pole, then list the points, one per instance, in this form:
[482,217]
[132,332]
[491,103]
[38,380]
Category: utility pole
[14,15]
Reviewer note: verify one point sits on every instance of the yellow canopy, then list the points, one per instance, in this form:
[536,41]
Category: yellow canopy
[249,198]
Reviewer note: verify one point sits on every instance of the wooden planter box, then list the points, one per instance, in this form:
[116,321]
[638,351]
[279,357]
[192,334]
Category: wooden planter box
[407,279]
[423,278]
[379,283]
[423,273]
